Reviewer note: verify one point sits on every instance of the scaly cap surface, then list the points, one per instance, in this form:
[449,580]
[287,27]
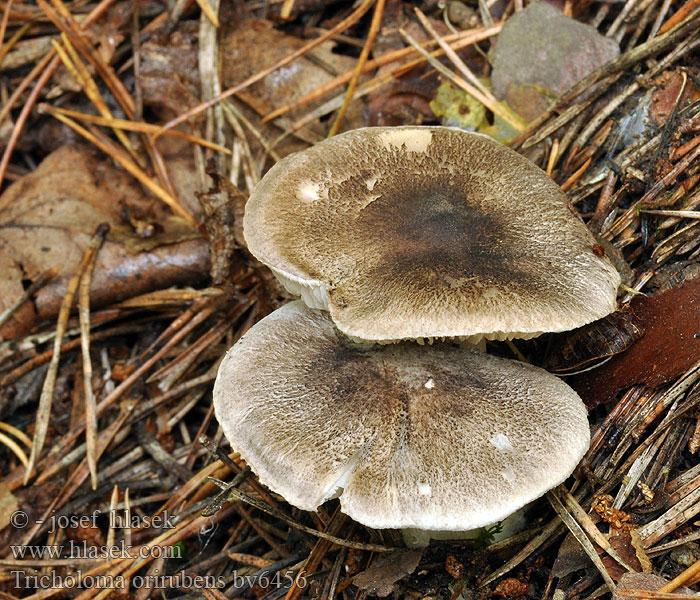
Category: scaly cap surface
[437,438]
[413,232]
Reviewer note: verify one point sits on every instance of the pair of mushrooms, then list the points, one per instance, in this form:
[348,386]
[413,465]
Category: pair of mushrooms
[401,235]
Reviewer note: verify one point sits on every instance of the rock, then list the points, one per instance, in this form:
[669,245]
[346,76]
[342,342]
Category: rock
[540,47]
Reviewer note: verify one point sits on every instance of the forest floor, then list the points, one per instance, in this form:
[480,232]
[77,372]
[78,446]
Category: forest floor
[132,134]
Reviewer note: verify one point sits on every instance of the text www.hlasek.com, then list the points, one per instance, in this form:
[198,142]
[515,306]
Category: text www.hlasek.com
[83,550]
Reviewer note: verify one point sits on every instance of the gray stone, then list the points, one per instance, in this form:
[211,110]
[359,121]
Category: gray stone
[540,46]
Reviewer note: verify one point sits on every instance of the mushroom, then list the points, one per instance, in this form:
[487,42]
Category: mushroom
[427,232]
[441,438]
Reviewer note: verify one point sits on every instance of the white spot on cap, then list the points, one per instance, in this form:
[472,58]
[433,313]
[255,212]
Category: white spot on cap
[430,384]
[412,140]
[424,489]
[308,192]
[501,442]
[370,183]
[508,475]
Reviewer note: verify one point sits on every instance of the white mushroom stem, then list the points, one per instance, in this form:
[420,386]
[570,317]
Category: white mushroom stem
[419,538]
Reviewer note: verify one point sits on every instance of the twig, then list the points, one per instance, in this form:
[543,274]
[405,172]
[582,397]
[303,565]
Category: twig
[3,29]
[588,526]
[70,436]
[471,37]
[575,528]
[15,447]
[317,553]
[109,148]
[371,85]
[77,69]
[23,116]
[655,595]
[40,282]
[286,9]
[210,84]
[373,29]
[665,5]
[84,315]
[209,12]
[45,401]
[608,73]
[234,493]
[683,214]
[576,175]
[679,15]
[690,573]
[509,118]
[16,36]
[137,126]
[24,84]
[343,25]
[458,62]
[554,527]
[65,22]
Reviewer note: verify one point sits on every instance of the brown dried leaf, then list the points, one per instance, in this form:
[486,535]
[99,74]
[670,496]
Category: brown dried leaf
[50,215]
[379,579]
[223,206]
[640,551]
[256,44]
[583,347]
[169,72]
[571,558]
[621,541]
[665,97]
[670,346]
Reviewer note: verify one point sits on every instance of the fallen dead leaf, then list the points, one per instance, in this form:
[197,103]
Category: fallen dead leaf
[48,217]
[669,347]
[570,558]
[379,579]
[256,45]
[666,96]
[593,343]
[621,541]
[169,74]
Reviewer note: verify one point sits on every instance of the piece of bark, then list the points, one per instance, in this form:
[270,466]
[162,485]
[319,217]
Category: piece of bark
[647,582]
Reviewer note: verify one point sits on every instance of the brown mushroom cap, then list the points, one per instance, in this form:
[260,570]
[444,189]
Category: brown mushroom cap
[413,232]
[438,439]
